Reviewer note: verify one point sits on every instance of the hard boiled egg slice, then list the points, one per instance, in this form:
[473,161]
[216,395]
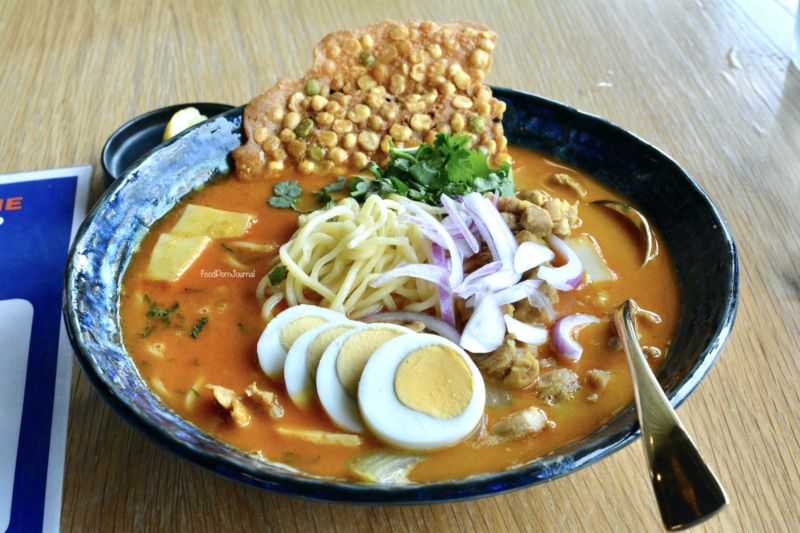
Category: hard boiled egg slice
[300,371]
[284,329]
[340,368]
[421,392]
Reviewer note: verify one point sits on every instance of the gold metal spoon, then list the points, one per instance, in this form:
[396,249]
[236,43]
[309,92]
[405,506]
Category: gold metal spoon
[686,489]
[651,245]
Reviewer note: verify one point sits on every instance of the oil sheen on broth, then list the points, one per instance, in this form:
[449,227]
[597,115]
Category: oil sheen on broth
[177,365]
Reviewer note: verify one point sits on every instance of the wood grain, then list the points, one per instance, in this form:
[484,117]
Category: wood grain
[708,81]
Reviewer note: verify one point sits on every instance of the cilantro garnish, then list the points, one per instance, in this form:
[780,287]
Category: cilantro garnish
[277,275]
[194,391]
[198,327]
[155,311]
[325,195]
[285,196]
[161,313]
[425,173]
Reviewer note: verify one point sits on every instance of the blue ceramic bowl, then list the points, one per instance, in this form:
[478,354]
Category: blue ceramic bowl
[704,253]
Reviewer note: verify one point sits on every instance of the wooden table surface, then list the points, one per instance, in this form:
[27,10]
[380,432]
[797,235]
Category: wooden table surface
[708,81]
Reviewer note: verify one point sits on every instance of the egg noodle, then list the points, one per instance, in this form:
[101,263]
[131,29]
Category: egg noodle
[338,252]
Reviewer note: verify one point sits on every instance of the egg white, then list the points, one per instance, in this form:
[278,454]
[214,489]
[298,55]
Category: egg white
[271,355]
[299,383]
[340,406]
[396,424]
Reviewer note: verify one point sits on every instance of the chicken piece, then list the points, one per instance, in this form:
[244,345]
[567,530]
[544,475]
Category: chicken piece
[228,400]
[557,386]
[550,292]
[525,312]
[598,379]
[527,236]
[523,372]
[569,181]
[530,421]
[511,221]
[535,197]
[537,220]
[651,352]
[266,399]
[513,205]
[563,216]
[497,363]
[463,311]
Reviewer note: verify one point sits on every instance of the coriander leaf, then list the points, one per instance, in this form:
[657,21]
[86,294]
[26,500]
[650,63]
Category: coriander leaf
[401,187]
[281,201]
[285,196]
[374,169]
[325,195]
[277,275]
[490,183]
[290,189]
[161,313]
[198,327]
[424,173]
[335,187]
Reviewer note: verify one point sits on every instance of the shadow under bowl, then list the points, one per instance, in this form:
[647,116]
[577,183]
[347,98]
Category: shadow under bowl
[702,247]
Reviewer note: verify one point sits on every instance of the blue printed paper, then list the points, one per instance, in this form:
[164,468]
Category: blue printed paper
[39,213]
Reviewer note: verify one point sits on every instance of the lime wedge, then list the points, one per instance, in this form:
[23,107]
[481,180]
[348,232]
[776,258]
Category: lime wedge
[183,119]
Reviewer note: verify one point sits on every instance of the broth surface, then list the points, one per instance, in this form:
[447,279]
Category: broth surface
[223,352]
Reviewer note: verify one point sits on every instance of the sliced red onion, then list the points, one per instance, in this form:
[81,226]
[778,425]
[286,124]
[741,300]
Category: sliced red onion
[530,255]
[567,277]
[513,294]
[473,282]
[445,295]
[432,323]
[452,229]
[498,236]
[539,300]
[457,271]
[473,202]
[463,248]
[435,274]
[455,215]
[533,335]
[486,329]
[564,331]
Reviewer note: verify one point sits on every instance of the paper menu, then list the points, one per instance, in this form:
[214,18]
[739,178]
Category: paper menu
[39,215]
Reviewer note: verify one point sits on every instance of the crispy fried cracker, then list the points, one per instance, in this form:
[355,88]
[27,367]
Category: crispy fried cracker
[402,82]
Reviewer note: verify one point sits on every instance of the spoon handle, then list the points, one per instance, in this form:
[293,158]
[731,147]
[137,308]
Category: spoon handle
[686,489]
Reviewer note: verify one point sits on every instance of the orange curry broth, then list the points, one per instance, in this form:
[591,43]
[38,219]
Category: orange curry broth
[224,352]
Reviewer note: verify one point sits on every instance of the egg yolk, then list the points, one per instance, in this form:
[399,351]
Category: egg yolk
[291,331]
[434,380]
[318,346]
[355,353]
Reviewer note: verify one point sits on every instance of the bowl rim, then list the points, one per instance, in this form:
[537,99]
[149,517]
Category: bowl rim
[303,486]
[110,147]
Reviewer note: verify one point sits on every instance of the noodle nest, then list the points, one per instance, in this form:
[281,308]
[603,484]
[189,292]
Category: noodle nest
[337,253]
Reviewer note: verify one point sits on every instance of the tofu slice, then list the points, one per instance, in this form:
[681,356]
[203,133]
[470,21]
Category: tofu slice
[173,254]
[321,437]
[594,265]
[214,223]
